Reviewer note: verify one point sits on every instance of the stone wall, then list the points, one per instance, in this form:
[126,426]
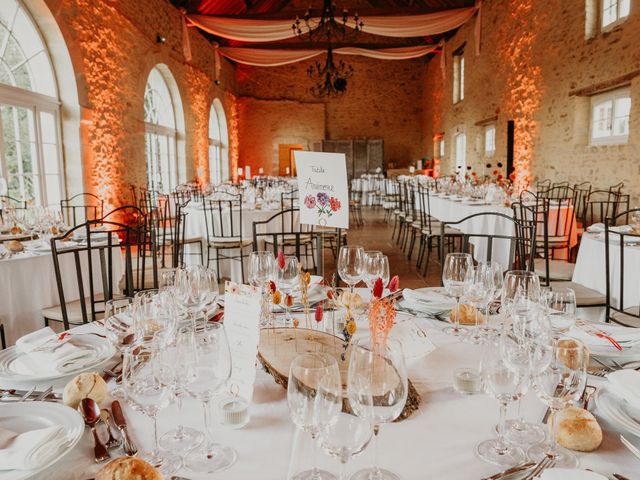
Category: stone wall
[382,101]
[113,46]
[534,60]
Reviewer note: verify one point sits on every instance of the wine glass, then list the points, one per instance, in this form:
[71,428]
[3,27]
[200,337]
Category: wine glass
[561,309]
[497,274]
[502,383]
[195,287]
[261,269]
[287,281]
[478,289]
[558,384]
[212,369]
[118,327]
[383,367]
[154,316]
[346,437]
[351,265]
[147,389]
[182,355]
[314,395]
[453,275]
[520,283]
[376,265]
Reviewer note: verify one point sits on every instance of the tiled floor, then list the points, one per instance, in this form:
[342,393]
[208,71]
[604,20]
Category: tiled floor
[375,234]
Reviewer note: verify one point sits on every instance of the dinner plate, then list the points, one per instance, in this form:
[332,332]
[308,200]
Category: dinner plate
[617,410]
[20,417]
[9,376]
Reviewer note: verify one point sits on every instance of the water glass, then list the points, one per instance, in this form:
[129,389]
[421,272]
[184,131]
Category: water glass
[351,264]
[288,279]
[454,273]
[561,309]
[478,289]
[376,265]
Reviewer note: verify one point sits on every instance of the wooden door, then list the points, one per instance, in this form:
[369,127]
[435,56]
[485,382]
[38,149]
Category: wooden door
[286,160]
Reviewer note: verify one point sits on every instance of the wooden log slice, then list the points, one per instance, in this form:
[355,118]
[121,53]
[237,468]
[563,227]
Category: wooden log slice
[279,346]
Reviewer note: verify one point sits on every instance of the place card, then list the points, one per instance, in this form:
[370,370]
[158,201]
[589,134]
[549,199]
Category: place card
[242,325]
[323,187]
[412,338]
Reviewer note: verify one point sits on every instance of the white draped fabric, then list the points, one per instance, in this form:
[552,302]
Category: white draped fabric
[404,26]
[273,58]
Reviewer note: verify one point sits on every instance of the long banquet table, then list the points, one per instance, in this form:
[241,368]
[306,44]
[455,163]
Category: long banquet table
[437,441]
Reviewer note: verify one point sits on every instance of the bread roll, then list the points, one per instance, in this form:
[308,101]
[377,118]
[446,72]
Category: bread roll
[467,315]
[128,468]
[14,246]
[86,385]
[577,429]
[568,357]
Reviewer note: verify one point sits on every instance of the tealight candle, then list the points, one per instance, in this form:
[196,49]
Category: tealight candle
[466,380]
[234,412]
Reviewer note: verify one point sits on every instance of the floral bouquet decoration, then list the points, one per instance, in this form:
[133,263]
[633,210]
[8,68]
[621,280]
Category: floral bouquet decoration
[323,203]
[382,312]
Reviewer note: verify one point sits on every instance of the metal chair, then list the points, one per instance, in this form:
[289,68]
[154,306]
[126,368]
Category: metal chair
[3,339]
[81,207]
[7,202]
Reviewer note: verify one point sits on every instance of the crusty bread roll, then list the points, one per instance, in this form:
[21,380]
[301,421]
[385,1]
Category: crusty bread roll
[568,357]
[14,246]
[577,429]
[16,230]
[467,315]
[128,468]
[86,385]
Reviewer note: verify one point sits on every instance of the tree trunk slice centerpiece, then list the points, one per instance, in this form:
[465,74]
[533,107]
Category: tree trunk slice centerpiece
[279,346]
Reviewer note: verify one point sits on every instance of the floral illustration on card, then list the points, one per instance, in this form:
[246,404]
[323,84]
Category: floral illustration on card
[325,205]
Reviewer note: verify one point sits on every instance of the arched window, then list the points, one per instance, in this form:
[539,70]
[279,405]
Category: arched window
[30,159]
[163,128]
[218,144]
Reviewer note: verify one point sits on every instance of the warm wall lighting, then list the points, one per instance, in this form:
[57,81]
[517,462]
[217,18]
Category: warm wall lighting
[233,136]
[198,86]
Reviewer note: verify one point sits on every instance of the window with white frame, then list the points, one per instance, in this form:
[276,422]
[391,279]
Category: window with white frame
[614,12]
[161,134]
[610,113]
[438,146]
[461,154]
[458,76]
[218,140]
[490,140]
[30,155]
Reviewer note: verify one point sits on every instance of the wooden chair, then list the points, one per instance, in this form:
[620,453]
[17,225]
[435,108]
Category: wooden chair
[81,207]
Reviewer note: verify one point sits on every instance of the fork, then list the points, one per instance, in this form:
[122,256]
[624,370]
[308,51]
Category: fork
[630,446]
[44,394]
[27,395]
[546,462]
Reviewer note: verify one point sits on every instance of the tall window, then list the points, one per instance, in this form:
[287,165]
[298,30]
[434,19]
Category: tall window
[490,140]
[461,154]
[438,146]
[614,11]
[610,113]
[30,159]
[218,148]
[161,132]
[458,75]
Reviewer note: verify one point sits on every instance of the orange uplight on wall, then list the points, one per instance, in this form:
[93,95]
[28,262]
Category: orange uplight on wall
[198,84]
[233,136]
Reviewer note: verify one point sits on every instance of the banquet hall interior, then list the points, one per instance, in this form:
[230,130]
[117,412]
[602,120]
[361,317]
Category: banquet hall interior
[316,239]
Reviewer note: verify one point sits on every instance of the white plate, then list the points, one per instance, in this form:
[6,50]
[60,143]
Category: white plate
[24,416]
[618,410]
[8,376]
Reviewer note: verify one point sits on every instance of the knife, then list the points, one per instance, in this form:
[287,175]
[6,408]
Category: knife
[511,471]
[118,417]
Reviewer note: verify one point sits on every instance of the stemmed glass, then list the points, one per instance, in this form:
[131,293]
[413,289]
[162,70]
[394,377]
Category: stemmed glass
[212,369]
[497,274]
[383,367]
[148,391]
[519,284]
[558,382]
[502,383]
[454,272]
[478,289]
[195,288]
[154,315]
[351,265]
[561,310]
[376,265]
[261,269]
[181,354]
[287,281]
[314,394]
[348,436]
[118,326]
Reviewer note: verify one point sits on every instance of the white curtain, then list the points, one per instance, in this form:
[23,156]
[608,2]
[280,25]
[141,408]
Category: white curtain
[262,57]
[248,30]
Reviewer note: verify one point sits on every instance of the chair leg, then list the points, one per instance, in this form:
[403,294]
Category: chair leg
[241,264]
[3,339]
[218,263]
[412,243]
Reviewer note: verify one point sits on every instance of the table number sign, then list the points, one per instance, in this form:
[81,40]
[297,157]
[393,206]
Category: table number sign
[242,325]
[322,183]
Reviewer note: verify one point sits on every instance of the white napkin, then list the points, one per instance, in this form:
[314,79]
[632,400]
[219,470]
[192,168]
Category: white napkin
[622,229]
[570,474]
[596,228]
[39,357]
[625,384]
[428,302]
[626,337]
[32,449]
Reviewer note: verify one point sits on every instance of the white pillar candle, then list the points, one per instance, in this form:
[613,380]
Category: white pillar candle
[239,171]
[260,171]
[287,171]
[412,169]
[247,172]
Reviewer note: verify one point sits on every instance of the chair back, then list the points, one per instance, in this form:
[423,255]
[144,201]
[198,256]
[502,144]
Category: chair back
[81,207]
[223,218]
[582,192]
[600,205]
[426,220]
[622,297]
[519,243]
[10,203]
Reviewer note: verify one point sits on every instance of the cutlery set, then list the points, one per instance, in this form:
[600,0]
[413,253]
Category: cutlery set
[536,470]
[16,395]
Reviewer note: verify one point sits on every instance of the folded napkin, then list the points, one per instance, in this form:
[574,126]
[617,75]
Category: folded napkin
[594,335]
[427,302]
[596,228]
[32,449]
[570,474]
[625,384]
[44,354]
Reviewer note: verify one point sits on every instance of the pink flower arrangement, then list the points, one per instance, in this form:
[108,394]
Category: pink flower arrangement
[309,201]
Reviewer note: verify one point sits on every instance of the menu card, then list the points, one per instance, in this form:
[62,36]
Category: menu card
[324,192]
[242,325]
[412,338]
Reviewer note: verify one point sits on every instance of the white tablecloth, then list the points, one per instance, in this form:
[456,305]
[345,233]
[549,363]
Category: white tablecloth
[435,442]
[195,227]
[28,284]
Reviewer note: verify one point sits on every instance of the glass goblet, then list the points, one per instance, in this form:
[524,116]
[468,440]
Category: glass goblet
[478,289]
[561,310]
[346,437]
[454,272]
[287,281]
[351,264]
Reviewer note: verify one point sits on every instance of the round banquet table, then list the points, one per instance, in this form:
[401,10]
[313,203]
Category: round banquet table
[196,228]
[437,441]
[28,284]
